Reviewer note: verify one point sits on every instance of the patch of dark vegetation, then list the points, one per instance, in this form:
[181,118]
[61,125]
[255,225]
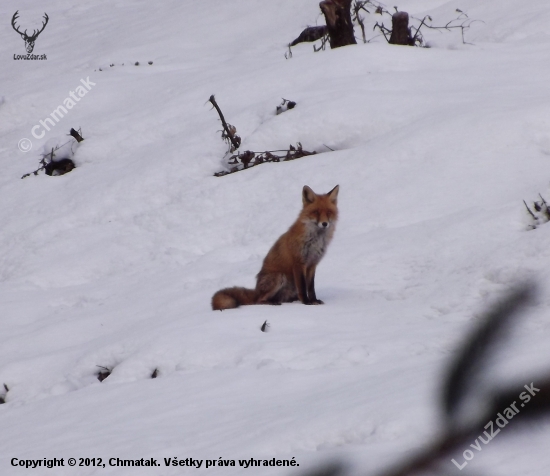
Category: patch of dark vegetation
[112,65]
[51,164]
[285,106]
[248,159]
[103,373]
[540,213]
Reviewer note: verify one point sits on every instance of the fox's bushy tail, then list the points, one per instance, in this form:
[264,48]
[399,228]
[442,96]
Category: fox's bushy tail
[230,298]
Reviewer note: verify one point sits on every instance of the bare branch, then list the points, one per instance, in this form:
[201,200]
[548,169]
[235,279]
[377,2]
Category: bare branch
[230,132]
[247,159]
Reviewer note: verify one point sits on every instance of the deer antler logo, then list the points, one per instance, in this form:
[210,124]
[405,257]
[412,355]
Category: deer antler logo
[29,40]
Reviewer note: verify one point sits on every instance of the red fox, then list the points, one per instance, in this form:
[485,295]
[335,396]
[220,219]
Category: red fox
[288,270]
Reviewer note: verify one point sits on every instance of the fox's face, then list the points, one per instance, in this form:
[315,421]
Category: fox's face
[320,210]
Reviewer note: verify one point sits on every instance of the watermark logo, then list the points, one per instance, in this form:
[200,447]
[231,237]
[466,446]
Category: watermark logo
[24,145]
[502,419]
[29,39]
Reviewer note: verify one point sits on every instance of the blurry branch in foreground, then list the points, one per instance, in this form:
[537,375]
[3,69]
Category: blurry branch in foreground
[465,371]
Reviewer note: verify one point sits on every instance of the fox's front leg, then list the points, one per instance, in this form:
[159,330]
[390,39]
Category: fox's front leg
[310,279]
[300,281]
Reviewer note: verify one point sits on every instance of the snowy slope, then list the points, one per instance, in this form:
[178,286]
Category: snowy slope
[114,264]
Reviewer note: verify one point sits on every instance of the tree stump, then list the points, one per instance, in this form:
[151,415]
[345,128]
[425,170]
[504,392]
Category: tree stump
[339,25]
[400,33]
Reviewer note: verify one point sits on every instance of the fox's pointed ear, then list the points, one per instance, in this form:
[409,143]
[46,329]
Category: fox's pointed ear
[333,194]
[308,195]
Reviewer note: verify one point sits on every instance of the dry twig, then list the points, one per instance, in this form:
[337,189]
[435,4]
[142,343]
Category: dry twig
[248,158]
[229,132]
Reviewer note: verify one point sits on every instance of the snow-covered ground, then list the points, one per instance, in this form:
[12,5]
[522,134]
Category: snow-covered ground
[114,264]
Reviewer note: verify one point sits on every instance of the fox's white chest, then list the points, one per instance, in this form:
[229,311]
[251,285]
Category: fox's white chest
[315,244]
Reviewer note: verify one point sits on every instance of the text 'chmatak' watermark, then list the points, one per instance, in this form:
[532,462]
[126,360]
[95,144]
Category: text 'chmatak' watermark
[45,125]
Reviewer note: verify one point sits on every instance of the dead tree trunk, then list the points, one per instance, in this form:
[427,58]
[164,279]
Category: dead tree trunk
[400,32]
[338,18]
